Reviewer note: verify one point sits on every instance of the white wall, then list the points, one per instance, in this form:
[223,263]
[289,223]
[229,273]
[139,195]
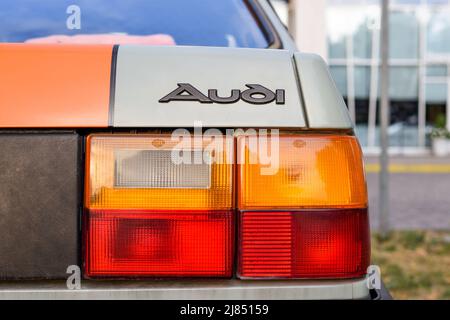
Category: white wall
[308,25]
[281,7]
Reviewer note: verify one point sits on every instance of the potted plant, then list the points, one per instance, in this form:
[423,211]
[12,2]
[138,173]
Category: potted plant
[440,137]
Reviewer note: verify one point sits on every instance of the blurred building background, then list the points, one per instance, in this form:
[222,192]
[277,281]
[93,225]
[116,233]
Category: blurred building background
[346,33]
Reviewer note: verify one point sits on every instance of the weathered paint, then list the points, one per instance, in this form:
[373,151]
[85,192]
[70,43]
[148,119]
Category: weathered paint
[54,86]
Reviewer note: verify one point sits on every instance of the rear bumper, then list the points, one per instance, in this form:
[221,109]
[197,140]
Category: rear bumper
[189,290]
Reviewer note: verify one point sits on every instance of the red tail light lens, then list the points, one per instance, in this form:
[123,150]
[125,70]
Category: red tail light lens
[159,244]
[304,244]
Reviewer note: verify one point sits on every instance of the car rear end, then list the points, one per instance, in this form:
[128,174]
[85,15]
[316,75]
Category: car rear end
[170,172]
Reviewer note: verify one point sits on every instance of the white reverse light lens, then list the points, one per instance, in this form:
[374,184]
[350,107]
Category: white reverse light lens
[156,169]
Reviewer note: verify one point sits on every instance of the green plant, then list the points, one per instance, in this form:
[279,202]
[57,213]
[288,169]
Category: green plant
[440,121]
[440,130]
[442,133]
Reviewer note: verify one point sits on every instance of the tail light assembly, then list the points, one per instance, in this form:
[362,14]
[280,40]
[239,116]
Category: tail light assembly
[155,210]
[309,218]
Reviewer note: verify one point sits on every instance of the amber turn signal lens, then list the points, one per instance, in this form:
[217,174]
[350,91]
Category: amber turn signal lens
[310,171]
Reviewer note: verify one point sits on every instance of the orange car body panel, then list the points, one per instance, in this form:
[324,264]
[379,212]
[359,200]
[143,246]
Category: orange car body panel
[54,86]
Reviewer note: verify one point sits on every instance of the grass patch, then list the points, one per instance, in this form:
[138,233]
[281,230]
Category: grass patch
[412,239]
[414,264]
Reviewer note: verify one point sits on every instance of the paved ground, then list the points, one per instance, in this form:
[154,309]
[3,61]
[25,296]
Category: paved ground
[420,192]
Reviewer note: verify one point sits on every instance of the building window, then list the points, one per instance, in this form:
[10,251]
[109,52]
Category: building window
[419,66]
